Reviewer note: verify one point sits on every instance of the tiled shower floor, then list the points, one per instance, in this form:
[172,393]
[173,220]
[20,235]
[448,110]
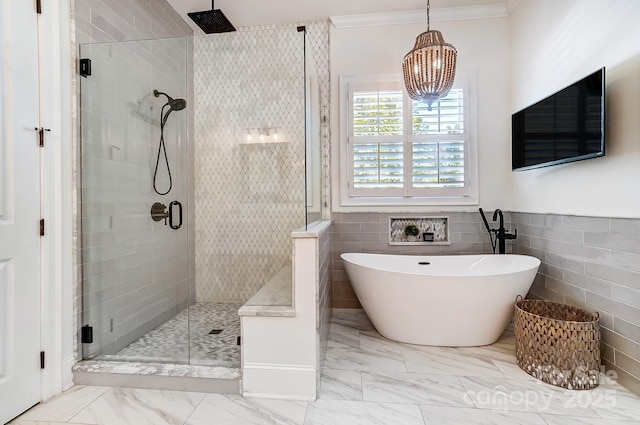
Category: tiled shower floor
[169,342]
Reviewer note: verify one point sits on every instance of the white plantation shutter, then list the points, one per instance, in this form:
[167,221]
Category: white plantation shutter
[438,144]
[398,147]
[378,165]
[438,164]
[376,141]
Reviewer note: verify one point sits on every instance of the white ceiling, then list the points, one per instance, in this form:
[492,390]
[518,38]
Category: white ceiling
[263,12]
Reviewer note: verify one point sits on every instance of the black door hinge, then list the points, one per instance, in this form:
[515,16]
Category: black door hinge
[85,67]
[38,6]
[41,359]
[86,334]
[41,131]
[42,227]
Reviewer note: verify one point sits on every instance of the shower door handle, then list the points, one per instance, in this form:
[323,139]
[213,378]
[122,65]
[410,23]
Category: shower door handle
[171,205]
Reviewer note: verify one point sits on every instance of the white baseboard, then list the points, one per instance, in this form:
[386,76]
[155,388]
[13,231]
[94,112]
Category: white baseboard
[291,382]
[67,372]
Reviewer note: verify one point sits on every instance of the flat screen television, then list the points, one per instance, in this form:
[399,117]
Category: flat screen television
[565,127]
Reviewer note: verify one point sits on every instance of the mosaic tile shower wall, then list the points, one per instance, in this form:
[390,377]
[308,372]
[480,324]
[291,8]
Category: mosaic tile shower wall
[249,195]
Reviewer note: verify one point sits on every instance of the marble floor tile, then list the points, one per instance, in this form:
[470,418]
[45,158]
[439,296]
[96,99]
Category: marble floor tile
[343,336]
[576,420]
[354,318]
[522,395]
[394,387]
[510,369]
[497,350]
[449,363]
[611,402]
[124,406]
[372,340]
[341,384]
[20,422]
[235,410]
[359,359]
[338,412]
[456,416]
[63,407]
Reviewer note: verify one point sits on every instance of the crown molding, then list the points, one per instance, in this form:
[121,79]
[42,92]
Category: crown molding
[512,5]
[420,16]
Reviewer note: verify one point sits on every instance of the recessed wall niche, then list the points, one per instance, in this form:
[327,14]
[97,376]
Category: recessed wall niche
[431,230]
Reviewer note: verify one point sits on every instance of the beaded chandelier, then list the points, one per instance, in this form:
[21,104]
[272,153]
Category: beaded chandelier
[430,68]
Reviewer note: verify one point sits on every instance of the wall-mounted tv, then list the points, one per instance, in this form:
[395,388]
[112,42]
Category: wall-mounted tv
[565,127]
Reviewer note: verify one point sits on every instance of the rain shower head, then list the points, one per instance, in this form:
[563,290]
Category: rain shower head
[174,104]
[212,21]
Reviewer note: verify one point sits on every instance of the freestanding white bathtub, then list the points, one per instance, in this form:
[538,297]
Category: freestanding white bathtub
[452,300]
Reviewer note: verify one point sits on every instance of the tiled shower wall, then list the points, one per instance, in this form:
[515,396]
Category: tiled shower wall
[249,196]
[369,232]
[133,269]
[324,297]
[592,263]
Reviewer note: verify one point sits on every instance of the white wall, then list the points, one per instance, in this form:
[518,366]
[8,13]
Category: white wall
[483,48]
[554,43]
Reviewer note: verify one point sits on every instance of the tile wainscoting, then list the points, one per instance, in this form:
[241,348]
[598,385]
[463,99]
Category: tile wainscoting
[369,232]
[592,263]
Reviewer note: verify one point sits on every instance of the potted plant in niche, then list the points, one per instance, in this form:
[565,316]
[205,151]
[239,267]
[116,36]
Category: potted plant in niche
[411,231]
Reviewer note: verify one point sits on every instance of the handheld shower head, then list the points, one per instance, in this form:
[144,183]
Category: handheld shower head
[174,104]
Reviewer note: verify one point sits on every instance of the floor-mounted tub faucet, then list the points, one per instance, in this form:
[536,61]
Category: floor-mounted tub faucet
[500,233]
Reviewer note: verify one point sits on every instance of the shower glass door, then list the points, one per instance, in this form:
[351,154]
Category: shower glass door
[136,246]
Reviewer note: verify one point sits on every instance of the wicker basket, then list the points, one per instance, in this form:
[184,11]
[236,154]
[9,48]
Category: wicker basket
[558,344]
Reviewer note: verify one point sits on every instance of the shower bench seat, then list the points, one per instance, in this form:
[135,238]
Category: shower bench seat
[284,327]
[275,298]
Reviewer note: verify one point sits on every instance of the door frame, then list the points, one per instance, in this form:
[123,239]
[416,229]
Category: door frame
[58,195]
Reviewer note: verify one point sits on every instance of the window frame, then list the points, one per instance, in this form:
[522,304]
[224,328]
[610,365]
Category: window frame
[350,196]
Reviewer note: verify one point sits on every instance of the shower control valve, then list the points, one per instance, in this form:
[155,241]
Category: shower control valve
[159,212]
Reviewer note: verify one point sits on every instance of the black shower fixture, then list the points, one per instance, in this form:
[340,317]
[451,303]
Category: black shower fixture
[174,105]
[212,21]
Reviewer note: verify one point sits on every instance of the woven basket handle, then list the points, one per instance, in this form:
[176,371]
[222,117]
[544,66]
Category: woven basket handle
[519,298]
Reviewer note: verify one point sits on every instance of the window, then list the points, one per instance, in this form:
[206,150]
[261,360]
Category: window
[399,148]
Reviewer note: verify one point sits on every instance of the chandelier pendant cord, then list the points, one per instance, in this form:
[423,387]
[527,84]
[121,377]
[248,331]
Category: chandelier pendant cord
[428,12]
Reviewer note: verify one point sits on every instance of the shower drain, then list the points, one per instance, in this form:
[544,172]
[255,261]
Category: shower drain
[215,331]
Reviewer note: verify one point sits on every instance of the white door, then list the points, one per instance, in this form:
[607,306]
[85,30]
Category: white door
[20,383]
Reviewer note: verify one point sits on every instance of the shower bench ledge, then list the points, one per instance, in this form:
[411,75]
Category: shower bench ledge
[274,299]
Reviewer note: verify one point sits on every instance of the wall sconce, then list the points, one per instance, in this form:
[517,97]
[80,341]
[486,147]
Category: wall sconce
[262,135]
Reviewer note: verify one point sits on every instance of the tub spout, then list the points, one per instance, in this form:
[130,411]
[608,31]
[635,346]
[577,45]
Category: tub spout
[501,233]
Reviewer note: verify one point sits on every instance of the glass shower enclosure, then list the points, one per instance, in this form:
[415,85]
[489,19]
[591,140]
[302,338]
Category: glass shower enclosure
[193,175]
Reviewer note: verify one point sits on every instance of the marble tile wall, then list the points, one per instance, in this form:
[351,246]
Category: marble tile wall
[132,272]
[592,263]
[324,297]
[369,232]
[249,196]
[121,20]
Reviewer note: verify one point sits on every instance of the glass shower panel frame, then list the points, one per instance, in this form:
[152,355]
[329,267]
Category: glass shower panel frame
[136,277]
